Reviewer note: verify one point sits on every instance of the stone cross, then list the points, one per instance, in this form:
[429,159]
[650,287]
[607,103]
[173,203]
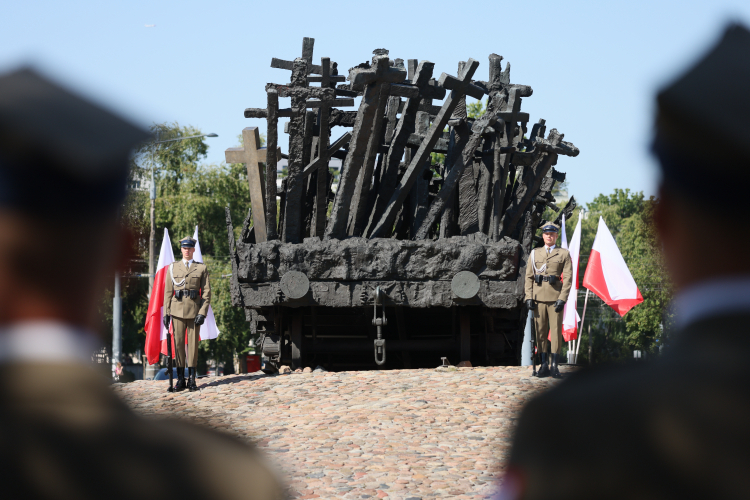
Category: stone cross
[459,87]
[308,45]
[372,79]
[362,202]
[459,137]
[252,155]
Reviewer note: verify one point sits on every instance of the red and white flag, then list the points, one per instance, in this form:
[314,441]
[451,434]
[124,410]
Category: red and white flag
[607,274]
[570,315]
[156,333]
[209,330]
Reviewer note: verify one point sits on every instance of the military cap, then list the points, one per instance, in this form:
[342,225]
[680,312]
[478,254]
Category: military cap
[550,227]
[702,126]
[187,242]
[59,152]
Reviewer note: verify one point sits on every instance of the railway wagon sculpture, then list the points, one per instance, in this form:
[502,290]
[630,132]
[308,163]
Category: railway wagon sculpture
[419,251]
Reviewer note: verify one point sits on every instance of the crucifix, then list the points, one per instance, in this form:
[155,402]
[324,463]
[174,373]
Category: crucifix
[546,154]
[459,87]
[252,155]
[459,137]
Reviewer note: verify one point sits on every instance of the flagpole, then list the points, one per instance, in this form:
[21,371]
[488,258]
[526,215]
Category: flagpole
[583,318]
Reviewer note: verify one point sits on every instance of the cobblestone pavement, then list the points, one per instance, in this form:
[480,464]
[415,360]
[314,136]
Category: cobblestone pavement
[400,434]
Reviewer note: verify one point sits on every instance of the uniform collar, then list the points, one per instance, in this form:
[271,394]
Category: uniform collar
[46,341]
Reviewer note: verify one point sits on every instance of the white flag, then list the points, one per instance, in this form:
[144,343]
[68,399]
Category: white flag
[570,315]
[209,330]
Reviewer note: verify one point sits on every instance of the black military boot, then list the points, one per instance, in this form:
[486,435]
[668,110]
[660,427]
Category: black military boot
[554,370]
[181,385]
[543,368]
[191,383]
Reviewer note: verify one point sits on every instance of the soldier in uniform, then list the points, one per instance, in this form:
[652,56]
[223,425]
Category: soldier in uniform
[187,296]
[548,283]
[63,431]
[676,427]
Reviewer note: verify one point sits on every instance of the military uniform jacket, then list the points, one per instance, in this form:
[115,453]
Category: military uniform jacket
[557,263]
[673,428]
[182,278]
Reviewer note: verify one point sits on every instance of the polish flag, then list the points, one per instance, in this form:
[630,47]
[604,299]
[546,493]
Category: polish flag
[608,276]
[570,315]
[156,333]
[209,330]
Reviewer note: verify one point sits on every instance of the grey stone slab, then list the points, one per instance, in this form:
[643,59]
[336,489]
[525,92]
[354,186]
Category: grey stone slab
[417,294]
[340,118]
[317,103]
[356,259]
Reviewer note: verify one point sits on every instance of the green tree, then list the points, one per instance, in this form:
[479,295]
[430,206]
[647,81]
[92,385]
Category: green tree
[189,193]
[629,216]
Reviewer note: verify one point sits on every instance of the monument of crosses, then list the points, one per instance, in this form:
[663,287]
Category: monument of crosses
[407,259]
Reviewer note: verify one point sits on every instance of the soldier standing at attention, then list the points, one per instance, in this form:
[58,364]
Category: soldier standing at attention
[186,300]
[548,283]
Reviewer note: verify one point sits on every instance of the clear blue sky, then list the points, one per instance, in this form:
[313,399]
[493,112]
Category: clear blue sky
[594,66]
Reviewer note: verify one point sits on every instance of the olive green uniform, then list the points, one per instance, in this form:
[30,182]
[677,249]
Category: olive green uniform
[546,319]
[183,310]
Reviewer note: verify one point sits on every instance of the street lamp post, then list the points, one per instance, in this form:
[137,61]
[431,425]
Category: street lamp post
[152,237]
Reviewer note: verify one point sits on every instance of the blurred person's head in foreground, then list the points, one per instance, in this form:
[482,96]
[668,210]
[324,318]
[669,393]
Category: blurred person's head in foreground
[63,171]
[702,142]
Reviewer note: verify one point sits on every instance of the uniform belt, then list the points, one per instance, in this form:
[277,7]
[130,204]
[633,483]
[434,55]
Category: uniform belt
[191,294]
[538,278]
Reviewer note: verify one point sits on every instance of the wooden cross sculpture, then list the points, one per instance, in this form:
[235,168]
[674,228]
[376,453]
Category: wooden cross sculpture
[459,87]
[360,149]
[319,166]
[421,79]
[252,155]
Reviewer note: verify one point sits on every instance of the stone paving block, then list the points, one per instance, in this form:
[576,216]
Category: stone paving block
[399,434]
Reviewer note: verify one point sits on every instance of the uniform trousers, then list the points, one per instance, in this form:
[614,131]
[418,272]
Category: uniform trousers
[548,322]
[181,325]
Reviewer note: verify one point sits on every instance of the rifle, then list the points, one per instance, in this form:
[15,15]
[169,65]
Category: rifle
[169,359]
[533,346]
